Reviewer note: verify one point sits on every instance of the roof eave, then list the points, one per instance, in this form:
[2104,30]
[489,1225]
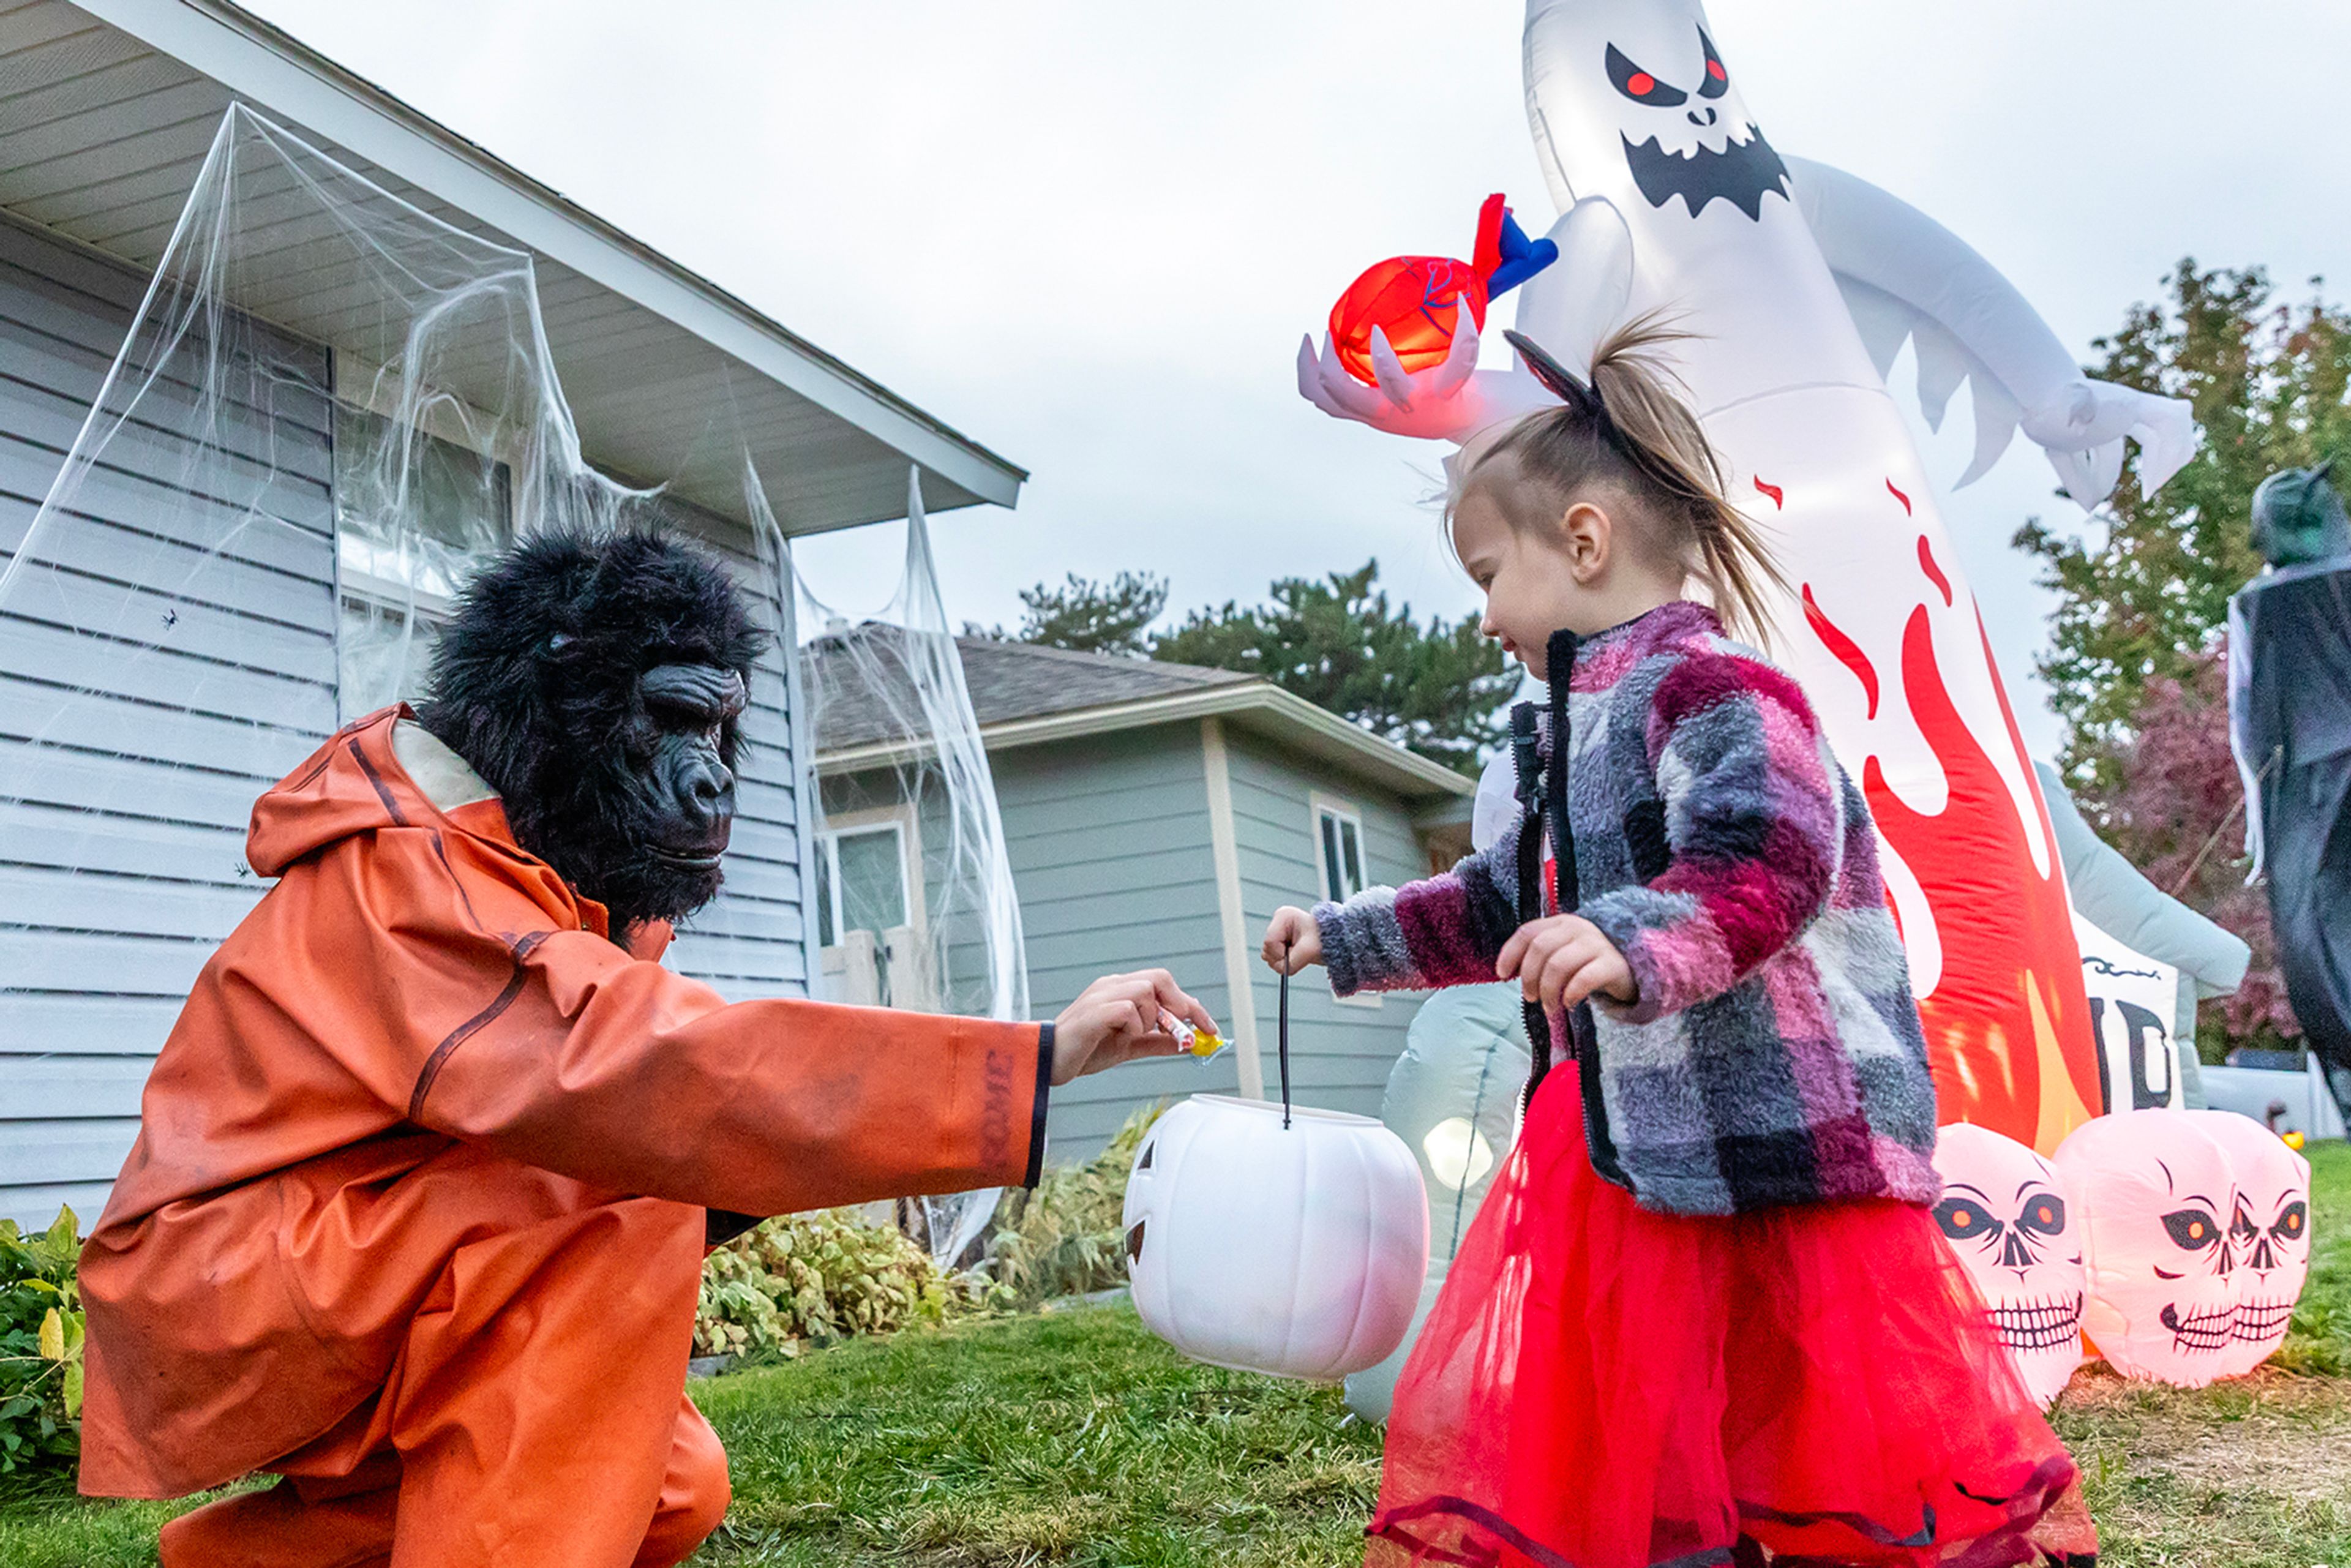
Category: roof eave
[259,62]
[1256,704]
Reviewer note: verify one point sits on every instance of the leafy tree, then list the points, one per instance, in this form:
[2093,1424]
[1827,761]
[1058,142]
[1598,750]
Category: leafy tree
[1437,690]
[1087,616]
[2267,381]
[2177,814]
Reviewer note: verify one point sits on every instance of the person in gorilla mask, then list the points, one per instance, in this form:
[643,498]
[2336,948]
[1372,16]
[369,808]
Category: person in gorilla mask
[428,1165]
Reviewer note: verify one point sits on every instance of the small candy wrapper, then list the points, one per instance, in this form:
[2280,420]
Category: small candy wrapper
[1198,1041]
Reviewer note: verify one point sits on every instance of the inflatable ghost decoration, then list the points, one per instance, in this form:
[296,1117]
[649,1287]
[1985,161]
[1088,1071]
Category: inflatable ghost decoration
[2271,1234]
[2159,1200]
[1292,1243]
[1453,1098]
[1797,285]
[2004,1212]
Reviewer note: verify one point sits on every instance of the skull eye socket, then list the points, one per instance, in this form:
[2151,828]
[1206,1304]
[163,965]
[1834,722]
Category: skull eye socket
[2241,1227]
[1964,1219]
[2291,1224]
[1717,80]
[2193,1229]
[2044,1214]
[1639,85]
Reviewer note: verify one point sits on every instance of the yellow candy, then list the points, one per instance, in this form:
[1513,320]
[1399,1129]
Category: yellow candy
[1200,1043]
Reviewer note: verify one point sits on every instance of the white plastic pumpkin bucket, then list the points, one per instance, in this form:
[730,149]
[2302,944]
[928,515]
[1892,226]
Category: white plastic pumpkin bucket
[1297,1250]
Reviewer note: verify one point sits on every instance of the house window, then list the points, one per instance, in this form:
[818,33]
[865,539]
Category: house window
[415,515]
[861,881]
[1339,833]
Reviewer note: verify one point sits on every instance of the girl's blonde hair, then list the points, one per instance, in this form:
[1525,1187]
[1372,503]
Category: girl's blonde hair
[1643,442]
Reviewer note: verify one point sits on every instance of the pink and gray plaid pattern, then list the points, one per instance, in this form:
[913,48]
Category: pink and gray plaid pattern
[1775,1054]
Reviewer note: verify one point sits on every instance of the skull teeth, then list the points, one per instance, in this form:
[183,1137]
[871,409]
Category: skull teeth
[2039,1325]
[2260,1321]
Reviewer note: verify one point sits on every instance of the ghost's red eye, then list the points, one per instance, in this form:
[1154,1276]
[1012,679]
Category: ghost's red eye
[1640,86]
[1718,81]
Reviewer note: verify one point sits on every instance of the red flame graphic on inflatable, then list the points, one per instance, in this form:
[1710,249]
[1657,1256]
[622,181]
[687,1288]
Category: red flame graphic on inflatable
[2008,1031]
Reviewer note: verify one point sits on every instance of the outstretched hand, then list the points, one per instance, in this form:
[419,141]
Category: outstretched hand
[1451,398]
[1121,1018]
[1564,960]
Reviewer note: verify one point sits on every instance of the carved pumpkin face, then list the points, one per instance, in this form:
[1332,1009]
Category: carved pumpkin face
[1297,1251]
[2270,1235]
[2158,1197]
[2004,1212]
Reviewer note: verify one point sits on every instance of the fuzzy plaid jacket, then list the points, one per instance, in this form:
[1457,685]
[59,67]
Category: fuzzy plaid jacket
[1774,1053]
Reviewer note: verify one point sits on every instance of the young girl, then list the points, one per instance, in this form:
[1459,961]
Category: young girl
[1705,1312]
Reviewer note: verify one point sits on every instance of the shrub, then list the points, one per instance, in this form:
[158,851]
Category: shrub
[1066,1237]
[40,1346]
[814,1278]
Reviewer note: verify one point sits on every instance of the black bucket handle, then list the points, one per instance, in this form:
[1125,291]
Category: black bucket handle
[1282,1037]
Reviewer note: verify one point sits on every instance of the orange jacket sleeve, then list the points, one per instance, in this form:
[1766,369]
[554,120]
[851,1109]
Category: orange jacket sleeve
[486,1019]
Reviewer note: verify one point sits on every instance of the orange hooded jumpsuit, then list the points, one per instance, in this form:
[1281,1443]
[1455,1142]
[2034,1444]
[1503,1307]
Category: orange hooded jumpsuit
[416,1214]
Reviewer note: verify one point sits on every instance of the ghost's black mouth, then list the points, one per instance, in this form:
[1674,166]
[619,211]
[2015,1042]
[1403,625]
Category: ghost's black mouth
[1742,173]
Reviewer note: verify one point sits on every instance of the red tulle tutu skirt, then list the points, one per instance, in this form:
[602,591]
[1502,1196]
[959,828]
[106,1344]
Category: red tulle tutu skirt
[1600,1386]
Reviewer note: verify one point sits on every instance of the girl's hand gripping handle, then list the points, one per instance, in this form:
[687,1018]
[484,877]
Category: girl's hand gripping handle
[1292,941]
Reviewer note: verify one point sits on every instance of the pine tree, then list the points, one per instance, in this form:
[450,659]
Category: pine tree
[1089,617]
[1437,690]
[2267,381]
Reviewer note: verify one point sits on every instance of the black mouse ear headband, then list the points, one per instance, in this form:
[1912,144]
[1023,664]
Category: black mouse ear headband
[1557,379]
[1582,397]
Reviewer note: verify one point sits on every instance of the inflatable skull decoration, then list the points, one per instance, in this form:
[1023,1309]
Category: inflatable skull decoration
[2270,1235]
[2005,1214]
[2158,1197]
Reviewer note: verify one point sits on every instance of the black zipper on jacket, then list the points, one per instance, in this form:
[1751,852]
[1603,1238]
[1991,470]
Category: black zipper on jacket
[1542,795]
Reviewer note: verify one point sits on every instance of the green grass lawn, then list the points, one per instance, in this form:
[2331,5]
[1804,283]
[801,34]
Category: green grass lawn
[1075,1439]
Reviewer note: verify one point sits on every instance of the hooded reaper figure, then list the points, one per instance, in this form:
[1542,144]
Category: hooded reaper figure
[2290,726]
[418,1207]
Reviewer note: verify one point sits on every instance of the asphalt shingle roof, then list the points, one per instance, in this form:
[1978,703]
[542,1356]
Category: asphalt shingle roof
[864,693]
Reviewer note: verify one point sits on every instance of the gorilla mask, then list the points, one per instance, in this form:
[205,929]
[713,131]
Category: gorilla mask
[597,683]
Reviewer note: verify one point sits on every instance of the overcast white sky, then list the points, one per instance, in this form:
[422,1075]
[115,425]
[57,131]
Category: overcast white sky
[1089,235]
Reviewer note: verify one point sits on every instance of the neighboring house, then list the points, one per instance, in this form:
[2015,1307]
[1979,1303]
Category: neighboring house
[1156,815]
[107,108]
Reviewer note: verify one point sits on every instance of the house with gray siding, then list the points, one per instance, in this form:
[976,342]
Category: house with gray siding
[107,110]
[1156,814]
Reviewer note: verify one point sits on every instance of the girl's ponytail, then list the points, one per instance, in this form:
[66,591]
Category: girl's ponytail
[1638,434]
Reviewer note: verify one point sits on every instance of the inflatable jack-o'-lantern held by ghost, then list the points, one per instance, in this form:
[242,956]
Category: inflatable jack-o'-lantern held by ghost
[1276,1238]
[1797,285]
